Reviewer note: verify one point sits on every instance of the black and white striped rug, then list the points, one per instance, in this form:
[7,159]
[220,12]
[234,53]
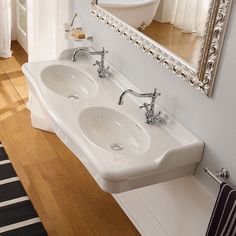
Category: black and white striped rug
[17,214]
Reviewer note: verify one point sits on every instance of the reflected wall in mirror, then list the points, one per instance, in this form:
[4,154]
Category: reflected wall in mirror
[186,36]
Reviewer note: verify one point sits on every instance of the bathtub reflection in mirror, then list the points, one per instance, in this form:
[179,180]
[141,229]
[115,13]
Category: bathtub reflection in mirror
[177,25]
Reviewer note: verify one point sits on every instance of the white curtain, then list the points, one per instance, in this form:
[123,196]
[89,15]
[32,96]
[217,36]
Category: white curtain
[189,15]
[5,28]
[46,36]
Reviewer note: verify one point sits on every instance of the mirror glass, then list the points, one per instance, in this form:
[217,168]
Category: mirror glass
[178,25]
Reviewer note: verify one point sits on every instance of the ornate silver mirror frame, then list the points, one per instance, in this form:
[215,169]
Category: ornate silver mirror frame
[201,78]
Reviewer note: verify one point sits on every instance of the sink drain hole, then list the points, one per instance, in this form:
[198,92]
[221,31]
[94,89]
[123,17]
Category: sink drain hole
[117,147]
[73,97]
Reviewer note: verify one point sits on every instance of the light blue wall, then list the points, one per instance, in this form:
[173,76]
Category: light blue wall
[213,120]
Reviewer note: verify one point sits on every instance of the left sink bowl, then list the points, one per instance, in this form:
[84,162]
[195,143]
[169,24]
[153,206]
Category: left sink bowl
[69,82]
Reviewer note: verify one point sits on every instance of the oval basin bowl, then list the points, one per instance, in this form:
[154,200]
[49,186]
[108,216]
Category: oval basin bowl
[114,131]
[69,82]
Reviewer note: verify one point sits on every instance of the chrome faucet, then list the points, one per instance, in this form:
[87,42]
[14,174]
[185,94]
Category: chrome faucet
[103,71]
[151,115]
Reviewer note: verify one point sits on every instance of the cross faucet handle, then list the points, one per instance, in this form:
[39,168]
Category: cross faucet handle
[104,51]
[156,94]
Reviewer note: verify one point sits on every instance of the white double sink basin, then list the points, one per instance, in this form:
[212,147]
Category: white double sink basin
[114,143]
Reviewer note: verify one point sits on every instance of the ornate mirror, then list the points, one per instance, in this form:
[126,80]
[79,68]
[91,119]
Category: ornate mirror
[185,36]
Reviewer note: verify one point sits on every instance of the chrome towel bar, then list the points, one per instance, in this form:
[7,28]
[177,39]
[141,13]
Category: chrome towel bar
[220,176]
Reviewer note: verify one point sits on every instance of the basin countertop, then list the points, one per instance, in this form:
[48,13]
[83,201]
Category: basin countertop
[171,149]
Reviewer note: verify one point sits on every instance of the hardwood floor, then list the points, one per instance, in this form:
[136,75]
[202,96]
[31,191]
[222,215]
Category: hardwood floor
[67,199]
[184,45]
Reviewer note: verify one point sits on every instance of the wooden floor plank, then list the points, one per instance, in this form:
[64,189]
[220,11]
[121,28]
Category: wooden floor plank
[66,197]
[19,83]
[10,101]
[27,142]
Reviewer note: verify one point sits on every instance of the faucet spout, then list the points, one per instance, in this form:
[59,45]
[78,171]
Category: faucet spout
[150,114]
[121,99]
[130,91]
[77,51]
[103,71]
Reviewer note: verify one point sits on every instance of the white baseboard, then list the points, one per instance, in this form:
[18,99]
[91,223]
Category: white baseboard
[180,207]
[140,216]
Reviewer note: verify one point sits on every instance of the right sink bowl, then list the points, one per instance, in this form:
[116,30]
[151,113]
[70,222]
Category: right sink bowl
[114,131]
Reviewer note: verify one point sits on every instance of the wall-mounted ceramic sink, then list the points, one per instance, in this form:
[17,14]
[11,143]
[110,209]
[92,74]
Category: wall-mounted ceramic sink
[115,144]
[113,131]
[69,81]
